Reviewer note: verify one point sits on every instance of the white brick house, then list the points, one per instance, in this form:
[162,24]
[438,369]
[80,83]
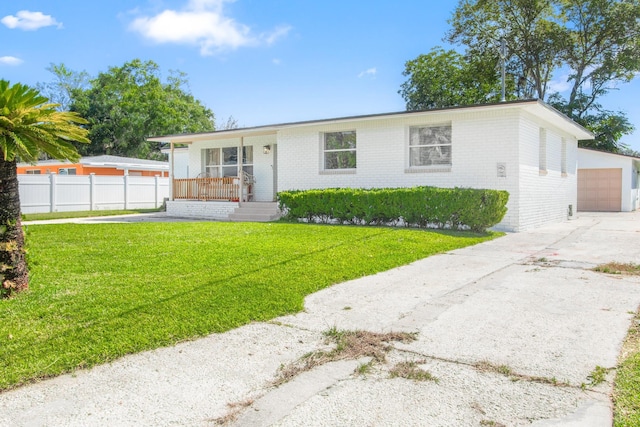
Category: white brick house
[524,147]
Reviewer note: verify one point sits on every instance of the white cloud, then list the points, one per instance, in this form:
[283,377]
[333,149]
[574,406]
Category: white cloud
[278,33]
[10,60]
[30,21]
[276,61]
[370,72]
[202,23]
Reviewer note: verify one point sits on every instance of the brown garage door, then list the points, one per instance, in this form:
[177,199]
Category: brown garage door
[600,190]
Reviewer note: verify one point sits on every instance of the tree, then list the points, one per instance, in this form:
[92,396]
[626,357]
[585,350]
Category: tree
[607,126]
[29,125]
[128,104]
[446,78]
[533,37]
[60,91]
[597,41]
[230,123]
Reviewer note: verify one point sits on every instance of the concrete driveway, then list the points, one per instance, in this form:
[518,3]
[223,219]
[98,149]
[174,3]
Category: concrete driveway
[511,329]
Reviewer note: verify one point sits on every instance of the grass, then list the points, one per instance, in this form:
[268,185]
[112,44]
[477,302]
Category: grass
[348,345]
[82,214]
[619,268]
[101,291]
[411,370]
[626,390]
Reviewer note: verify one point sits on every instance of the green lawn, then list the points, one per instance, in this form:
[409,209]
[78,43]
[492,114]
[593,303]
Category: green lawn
[626,391]
[82,214]
[101,291]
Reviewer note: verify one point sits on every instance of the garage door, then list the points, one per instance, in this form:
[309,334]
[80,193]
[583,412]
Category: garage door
[600,190]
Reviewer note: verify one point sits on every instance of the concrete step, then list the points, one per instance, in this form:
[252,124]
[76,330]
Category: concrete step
[255,212]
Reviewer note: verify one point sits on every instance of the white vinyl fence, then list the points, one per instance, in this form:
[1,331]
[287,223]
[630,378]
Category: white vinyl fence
[58,193]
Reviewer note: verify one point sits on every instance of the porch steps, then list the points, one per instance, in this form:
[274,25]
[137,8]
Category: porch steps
[255,212]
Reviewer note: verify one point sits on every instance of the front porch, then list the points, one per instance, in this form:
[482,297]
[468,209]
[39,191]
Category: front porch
[227,189]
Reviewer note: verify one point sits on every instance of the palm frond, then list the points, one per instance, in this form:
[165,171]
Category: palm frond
[30,124]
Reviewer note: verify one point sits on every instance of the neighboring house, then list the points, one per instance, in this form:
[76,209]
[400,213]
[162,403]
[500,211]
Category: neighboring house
[607,182]
[524,147]
[99,165]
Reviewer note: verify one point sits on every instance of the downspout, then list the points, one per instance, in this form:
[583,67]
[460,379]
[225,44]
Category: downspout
[172,175]
[240,171]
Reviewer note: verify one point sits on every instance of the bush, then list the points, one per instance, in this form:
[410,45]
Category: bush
[425,207]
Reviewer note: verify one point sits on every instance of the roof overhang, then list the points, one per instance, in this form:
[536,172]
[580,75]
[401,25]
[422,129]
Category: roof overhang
[126,166]
[534,107]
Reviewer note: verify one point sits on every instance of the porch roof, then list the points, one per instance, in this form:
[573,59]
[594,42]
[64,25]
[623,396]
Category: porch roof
[533,106]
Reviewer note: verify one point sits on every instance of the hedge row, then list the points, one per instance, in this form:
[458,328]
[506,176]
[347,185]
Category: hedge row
[424,207]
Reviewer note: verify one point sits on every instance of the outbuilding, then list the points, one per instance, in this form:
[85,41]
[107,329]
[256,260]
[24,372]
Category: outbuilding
[607,182]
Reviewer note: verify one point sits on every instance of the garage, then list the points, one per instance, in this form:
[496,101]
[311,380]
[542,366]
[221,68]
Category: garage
[600,190]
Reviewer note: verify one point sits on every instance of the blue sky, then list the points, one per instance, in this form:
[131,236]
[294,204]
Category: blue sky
[260,61]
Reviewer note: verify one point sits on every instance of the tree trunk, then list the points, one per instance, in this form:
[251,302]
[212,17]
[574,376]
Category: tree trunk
[14,274]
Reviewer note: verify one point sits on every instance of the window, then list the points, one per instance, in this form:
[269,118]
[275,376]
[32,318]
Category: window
[430,146]
[33,172]
[223,162]
[563,158]
[67,171]
[339,150]
[542,155]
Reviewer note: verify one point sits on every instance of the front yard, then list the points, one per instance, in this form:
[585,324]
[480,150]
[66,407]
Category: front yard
[101,291]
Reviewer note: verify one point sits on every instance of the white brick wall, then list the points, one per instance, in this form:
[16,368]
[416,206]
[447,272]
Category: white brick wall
[545,196]
[200,210]
[479,142]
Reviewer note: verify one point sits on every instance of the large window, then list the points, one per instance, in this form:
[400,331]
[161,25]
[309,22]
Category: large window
[339,149]
[223,162]
[430,146]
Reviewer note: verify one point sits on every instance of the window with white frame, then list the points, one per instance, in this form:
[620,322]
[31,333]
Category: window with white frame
[430,146]
[34,172]
[339,150]
[67,171]
[223,162]
[542,151]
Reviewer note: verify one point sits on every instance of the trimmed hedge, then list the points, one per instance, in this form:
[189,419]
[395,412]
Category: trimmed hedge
[424,207]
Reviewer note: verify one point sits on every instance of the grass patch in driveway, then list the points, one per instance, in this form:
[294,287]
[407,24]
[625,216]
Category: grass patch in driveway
[101,291]
[348,345]
[626,389]
[619,268]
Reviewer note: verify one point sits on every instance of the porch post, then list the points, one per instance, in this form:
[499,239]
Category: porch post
[172,176]
[240,171]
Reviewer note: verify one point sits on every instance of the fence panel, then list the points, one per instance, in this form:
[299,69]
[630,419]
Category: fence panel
[57,193]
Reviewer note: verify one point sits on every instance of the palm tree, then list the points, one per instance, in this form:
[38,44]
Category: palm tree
[29,126]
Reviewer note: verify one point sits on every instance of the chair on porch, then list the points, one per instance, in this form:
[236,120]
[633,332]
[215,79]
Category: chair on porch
[204,186]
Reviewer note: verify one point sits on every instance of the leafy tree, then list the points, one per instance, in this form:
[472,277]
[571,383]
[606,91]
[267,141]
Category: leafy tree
[127,104]
[446,78]
[598,41]
[607,126]
[29,125]
[60,91]
[534,39]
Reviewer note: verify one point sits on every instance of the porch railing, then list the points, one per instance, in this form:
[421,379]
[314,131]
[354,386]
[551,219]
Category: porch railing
[227,188]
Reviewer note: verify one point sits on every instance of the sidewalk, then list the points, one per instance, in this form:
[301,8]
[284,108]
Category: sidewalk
[526,305]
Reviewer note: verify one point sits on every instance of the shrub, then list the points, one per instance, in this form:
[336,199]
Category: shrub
[425,207]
